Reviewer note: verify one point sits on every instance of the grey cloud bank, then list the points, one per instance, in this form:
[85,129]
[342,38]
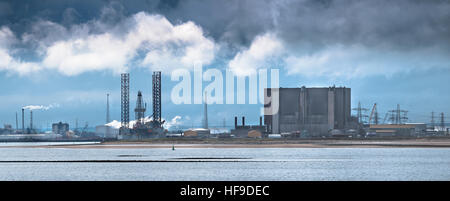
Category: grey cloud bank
[358,38]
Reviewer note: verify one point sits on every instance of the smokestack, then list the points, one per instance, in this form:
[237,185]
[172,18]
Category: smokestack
[206,112]
[17,123]
[235,122]
[23,121]
[31,120]
[107,115]
[260,121]
[243,121]
[107,108]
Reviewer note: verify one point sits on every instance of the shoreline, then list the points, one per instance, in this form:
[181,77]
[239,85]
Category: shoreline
[256,143]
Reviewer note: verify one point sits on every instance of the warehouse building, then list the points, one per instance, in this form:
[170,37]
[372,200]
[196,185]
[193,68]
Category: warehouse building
[197,133]
[393,130]
[105,131]
[248,131]
[60,128]
[311,111]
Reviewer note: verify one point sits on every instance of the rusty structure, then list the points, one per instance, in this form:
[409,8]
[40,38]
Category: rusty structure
[140,109]
[156,97]
[125,103]
[142,127]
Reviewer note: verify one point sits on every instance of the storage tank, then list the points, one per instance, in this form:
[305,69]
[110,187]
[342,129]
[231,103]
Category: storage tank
[254,134]
[190,133]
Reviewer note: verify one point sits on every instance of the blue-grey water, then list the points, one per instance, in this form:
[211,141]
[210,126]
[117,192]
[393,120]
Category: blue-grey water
[225,164]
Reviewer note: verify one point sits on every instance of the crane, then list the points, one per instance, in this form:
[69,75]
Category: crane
[374,111]
[385,117]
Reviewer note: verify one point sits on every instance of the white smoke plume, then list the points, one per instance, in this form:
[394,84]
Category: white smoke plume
[174,122]
[167,125]
[40,107]
[114,124]
[117,124]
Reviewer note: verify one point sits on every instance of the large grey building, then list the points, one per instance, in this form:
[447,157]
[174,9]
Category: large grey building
[60,128]
[314,111]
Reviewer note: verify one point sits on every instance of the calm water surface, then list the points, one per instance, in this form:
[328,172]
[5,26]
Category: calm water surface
[225,164]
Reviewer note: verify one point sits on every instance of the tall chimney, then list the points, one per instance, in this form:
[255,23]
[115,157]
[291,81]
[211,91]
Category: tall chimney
[243,121]
[107,115]
[107,108]
[23,121]
[31,120]
[17,123]
[205,110]
[235,122]
[260,121]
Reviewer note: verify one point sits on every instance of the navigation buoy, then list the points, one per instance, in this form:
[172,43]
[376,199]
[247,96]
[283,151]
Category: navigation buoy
[173,147]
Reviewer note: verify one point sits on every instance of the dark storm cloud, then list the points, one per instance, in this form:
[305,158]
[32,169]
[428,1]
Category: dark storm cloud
[393,24]
[400,25]
[70,16]
[5,9]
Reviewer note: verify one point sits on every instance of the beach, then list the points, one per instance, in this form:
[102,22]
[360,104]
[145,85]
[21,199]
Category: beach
[260,143]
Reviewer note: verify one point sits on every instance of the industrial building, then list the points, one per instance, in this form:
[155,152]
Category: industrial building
[420,129]
[7,129]
[105,131]
[392,130]
[309,111]
[141,129]
[29,137]
[197,133]
[60,128]
[251,131]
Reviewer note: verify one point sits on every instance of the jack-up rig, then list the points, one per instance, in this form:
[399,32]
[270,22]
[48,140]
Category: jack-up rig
[142,128]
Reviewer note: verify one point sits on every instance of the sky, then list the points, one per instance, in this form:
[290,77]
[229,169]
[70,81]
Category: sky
[63,57]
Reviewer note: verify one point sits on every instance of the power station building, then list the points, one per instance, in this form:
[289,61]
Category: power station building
[60,128]
[309,111]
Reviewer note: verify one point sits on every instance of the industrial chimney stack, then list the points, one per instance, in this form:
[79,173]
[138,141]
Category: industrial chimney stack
[205,110]
[31,120]
[23,121]
[17,123]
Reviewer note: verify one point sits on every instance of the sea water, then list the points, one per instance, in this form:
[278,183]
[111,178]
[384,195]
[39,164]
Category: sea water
[201,164]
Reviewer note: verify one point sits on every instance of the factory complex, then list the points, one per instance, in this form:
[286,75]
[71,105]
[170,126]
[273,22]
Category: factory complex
[316,112]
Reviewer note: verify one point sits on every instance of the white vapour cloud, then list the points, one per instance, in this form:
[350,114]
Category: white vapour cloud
[174,122]
[10,64]
[179,46]
[40,107]
[152,41]
[334,61]
[165,46]
[148,40]
[7,61]
[359,61]
[115,124]
[263,49]
[94,53]
[6,36]
[167,125]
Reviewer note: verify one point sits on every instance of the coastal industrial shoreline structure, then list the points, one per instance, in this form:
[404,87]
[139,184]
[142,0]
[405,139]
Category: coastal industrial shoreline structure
[314,111]
[141,129]
[248,131]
